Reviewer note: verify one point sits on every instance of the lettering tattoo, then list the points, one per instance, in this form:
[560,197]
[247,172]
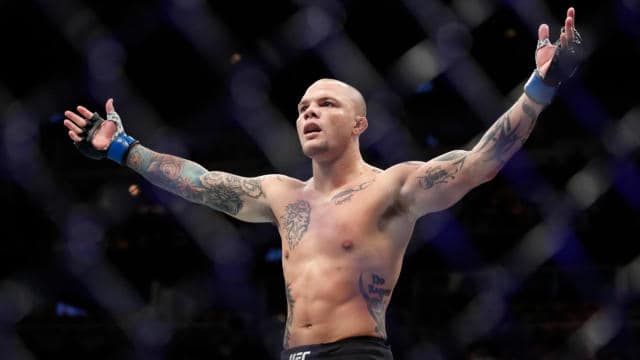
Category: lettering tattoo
[437,174]
[295,220]
[374,293]
[346,195]
[287,328]
[221,191]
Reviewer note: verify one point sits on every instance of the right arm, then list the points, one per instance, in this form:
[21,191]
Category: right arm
[240,197]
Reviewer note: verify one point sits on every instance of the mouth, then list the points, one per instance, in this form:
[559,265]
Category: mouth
[310,129]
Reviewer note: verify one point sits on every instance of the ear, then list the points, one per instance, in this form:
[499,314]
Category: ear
[360,125]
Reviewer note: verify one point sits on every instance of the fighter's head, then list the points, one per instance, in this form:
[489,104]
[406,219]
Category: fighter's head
[331,117]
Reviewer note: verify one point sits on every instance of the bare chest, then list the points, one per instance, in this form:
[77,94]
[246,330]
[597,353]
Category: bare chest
[353,220]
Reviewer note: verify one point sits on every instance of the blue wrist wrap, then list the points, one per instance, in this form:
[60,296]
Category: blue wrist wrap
[538,91]
[120,147]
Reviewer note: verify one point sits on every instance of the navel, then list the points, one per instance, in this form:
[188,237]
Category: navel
[347,245]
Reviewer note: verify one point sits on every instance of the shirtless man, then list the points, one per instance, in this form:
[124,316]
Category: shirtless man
[344,231]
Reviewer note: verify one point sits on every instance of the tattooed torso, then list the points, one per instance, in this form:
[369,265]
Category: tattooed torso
[342,249]
[342,254]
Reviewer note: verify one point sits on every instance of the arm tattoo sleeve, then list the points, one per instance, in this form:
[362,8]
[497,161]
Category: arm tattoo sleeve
[507,134]
[221,191]
[442,173]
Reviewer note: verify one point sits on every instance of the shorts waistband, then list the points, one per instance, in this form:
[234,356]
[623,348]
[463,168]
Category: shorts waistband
[357,347]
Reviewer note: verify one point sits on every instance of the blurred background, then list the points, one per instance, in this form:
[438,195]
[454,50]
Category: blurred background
[542,262]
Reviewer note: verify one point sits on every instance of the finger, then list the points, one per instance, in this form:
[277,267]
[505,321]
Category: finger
[543,32]
[78,120]
[109,106]
[73,127]
[564,42]
[571,12]
[568,25]
[74,136]
[85,112]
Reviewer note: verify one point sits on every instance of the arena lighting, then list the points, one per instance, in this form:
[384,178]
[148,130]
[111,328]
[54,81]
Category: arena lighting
[66,310]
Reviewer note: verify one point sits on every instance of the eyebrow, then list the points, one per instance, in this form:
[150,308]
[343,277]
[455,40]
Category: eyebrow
[305,102]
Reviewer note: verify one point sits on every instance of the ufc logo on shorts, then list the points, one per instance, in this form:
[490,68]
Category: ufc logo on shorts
[299,355]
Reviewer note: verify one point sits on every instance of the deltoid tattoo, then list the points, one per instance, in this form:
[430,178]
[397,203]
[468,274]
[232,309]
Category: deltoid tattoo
[219,190]
[287,328]
[374,293]
[346,195]
[295,220]
[438,174]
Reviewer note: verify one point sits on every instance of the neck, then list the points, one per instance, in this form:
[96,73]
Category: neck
[332,174]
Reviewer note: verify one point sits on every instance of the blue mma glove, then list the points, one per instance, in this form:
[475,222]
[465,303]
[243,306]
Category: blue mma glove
[564,64]
[120,142]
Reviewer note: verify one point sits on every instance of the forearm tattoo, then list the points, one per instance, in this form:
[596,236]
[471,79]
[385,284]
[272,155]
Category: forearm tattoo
[374,293]
[295,221]
[531,113]
[503,138]
[287,328]
[221,191]
[437,174]
[346,195]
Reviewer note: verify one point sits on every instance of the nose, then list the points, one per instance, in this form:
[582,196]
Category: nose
[310,112]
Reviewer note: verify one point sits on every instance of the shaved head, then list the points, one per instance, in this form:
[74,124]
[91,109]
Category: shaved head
[359,103]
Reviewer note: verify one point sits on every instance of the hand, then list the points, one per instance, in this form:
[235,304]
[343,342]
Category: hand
[76,124]
[98,138]
[559,59]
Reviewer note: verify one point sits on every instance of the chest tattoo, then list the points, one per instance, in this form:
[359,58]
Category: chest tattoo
[346,195]
[295,221]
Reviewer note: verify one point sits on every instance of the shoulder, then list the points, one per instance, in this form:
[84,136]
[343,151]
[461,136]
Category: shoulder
[400,171]
[277,182]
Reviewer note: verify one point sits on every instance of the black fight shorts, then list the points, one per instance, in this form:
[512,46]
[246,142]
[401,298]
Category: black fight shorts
[353,348]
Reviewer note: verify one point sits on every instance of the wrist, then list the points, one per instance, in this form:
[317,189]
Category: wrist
[539,91]
[120,146]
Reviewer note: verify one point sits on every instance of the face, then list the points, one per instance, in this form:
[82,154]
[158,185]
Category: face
[327,117]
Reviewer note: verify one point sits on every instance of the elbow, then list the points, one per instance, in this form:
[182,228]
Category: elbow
[489,175]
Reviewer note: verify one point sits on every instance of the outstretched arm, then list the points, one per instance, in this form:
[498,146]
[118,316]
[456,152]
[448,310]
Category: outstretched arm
[442,181]
[97,138]
[238,196]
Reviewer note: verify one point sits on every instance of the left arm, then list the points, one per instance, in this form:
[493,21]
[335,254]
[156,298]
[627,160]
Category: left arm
[441,182]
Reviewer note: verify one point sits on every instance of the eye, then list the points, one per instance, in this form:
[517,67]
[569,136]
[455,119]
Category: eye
[303,108]
[328,103]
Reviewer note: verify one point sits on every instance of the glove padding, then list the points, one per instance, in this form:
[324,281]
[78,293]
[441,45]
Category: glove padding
[119,145]
[563,65]
[565,60]
[85,145]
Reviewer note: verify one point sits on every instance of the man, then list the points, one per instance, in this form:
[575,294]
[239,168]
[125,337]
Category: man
[344,231]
